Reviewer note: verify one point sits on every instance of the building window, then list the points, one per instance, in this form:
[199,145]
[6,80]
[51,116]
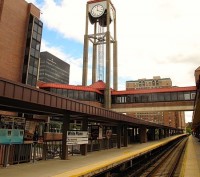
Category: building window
[31,63]
[70,93]
[81,95]
[180,96]
[174,96]
[76,94]
[1,7]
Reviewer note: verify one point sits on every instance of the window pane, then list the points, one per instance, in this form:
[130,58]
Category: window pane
[35,71]
[75,94]
[187,96]
[36,63]
[92,96]
[37,54]
[39,30]
[167,96]
[53,90]
[32,52]
[31,61]
[29,82]
[34,80]
[34,35]
[193,95]
[180,96]
[37,46]
[65,93]
[128,98]
[154,97]
[33,44]
[118,100]
[144,98]
[30,69]
[59,91]
[174,96]
[39,37]
[87,95]
[70,93]
[161,97]
[81,95]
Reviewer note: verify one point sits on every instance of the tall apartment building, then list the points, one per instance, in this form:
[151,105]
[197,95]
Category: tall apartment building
[156,82]
[53,69]
[20,39]
[173,119]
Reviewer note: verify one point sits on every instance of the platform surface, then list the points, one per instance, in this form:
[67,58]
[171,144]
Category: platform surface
[192,160]
[80,165]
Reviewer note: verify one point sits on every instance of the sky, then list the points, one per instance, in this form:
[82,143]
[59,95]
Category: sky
[155,38]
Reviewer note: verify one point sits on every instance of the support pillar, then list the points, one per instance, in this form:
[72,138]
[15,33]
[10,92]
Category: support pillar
[164,135]
[125,136]
[160,134]
[133,135]
[119,132]
[85,51]
[151,134]
[83,147]
[167,132]
[94,60]
[66,121]
[143,134]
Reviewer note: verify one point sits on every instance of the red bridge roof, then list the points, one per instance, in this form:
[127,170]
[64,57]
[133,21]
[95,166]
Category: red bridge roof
[154,90]
[100,86]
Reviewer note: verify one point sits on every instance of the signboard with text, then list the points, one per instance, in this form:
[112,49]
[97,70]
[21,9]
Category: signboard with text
[77,137]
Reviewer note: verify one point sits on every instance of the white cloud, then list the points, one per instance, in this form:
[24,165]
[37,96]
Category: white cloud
[67,17]
[75,63]
[154,37]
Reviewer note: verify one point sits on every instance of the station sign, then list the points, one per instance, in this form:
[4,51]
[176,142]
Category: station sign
[77,137]
[11,129]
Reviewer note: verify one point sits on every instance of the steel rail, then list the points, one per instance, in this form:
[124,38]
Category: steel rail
[166,166]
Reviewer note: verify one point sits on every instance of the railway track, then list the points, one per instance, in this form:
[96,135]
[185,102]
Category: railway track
[166,165]
[163,161]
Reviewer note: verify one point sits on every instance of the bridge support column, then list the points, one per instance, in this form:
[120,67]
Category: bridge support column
[160,134]
[168,132]
[165,133]
[143,134]
[83,147]
[151,134]
[125,136]
[66,121]
[133,135]
[119,132]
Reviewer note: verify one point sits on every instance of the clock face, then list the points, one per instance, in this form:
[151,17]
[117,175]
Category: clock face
[97,11]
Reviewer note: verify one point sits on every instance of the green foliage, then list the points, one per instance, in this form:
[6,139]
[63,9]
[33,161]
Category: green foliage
[188,130]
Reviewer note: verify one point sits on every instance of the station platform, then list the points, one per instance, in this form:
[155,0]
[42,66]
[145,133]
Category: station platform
[78,165]
[192,158]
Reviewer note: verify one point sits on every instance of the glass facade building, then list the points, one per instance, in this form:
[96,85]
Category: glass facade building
[53,69]
[32,51]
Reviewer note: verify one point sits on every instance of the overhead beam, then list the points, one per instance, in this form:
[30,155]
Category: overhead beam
[153,109]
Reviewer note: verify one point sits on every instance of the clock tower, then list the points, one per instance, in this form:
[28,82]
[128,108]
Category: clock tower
[101,19]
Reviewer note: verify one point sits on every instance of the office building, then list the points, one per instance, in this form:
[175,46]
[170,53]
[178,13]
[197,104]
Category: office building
[156,82]
[53,69]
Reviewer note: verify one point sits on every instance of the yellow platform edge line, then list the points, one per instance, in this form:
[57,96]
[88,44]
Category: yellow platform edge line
[93,168]
[182,171]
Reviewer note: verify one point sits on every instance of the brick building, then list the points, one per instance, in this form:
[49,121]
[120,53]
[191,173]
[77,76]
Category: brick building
[156,82]
[20,39]
[173,119]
